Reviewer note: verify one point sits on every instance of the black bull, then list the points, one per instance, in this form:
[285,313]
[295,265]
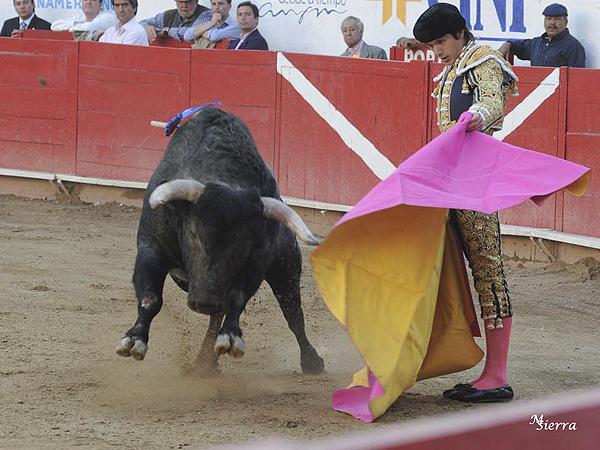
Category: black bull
[219,233]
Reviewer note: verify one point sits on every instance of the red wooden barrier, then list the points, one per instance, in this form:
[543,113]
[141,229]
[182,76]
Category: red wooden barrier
[314,162]
[84,108]
[245,83]
[46,34]
[38,88]
[162,41]
[582,215]
[121,89]
[540,132]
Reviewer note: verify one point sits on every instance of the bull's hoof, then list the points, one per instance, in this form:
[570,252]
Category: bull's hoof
[227,343]
[132,347]
[311,363]
[124,346]
[238,349]
[139,350]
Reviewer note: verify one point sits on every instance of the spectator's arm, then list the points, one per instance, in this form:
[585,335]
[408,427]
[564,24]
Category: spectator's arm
[505,49]
[157,21]
[64,24]
[231,31]
[101,22]
[576,57]
[153,25]
[199,30]
[521,49]
[187,33]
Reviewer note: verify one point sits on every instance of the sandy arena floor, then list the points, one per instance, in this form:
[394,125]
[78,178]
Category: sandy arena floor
[66,299]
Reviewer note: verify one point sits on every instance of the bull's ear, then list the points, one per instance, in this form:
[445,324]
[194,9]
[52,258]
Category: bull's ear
[279,211]
[189,190]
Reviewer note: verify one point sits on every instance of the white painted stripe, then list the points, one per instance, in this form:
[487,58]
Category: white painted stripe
[378,163]
[532,102]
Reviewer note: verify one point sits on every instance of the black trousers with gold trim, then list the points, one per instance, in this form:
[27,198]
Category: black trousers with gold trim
[480,239]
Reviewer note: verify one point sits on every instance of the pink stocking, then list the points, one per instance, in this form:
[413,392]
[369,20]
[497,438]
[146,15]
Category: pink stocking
[494,372]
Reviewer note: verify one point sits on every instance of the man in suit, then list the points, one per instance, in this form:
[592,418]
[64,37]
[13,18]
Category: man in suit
[250,39]
[26,19]
[352,30]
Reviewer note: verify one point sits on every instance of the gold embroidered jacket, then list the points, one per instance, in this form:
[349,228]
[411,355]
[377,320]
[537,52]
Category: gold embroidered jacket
[480,81]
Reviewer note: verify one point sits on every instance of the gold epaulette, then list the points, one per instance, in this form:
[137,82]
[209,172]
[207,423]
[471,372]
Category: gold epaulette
[478,54]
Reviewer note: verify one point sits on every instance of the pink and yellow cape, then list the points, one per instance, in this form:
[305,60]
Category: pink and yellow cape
[392,272]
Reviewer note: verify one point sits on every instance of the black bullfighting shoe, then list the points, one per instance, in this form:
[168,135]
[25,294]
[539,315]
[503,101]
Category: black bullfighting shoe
[450,393]
[496,395]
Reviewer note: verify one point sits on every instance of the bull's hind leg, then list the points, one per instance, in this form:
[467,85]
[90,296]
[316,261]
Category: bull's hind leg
[148,279]
[284,278]
[208,360]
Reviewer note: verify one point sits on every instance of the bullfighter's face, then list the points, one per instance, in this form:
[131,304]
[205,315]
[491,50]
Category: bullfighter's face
[448,48]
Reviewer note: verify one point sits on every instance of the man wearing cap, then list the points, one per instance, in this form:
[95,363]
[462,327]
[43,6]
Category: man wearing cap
[175,22]
[476,79]
[555,48]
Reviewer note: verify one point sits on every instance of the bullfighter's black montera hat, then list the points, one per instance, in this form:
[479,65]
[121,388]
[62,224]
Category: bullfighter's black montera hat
[437,21]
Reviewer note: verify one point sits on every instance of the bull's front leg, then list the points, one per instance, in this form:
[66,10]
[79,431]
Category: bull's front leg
[148,279]
[230,337]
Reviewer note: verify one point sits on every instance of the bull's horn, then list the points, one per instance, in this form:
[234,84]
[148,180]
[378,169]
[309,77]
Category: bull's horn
[279,211]
[189,190]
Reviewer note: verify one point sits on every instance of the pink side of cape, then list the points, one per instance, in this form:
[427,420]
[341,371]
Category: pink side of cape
[458,170]
[355,400]
[471,171]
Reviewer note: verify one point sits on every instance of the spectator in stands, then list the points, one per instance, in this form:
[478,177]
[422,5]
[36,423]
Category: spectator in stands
[250,39]
[89,23]
[176,22]
[26,19]
[128,30]
[221,25]
[352,30]
[555,48]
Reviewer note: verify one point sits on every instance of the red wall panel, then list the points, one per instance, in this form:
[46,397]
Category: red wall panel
[121,89]
[582,214]
[84,108]
[539,132]
[245,83]
[381,99]
[38,86]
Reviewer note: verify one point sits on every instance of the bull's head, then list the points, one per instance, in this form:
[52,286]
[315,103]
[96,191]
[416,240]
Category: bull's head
[191,191]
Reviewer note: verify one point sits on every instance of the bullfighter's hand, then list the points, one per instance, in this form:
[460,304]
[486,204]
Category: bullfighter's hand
[476,123]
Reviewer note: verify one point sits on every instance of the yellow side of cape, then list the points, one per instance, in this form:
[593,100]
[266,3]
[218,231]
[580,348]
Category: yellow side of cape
[395,280]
